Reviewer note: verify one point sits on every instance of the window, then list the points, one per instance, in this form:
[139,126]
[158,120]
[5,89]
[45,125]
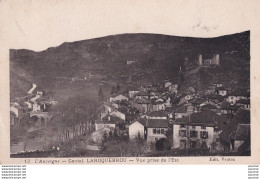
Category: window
[203,127]
[158,131]
[203,134]
[139,135]
[154,131]
[182,133]
[183,126]
[162,131]
[194,134]
[193,127]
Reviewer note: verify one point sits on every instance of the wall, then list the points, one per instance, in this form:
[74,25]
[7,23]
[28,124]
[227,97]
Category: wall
[151,136]
[100,126]
[118,114]
[177,138]
[132,93]
[237,143]
[134,129]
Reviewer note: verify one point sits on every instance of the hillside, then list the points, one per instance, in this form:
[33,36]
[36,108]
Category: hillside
[157,57]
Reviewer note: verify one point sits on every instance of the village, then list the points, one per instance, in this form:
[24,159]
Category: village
[144,120]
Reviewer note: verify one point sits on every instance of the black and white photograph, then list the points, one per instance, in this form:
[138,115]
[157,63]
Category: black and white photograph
[132,95]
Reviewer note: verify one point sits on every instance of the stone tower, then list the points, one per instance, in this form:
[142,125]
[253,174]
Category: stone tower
[215,59]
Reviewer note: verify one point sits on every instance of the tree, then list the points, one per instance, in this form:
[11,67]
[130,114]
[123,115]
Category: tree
[112,90]
[118,88]
[162,144]
[100,95]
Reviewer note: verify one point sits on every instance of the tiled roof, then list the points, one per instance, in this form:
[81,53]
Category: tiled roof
[182,109]
[221,89]
[155,101]
[113,120]
[142,93]
[158,114]
[227,106]
[157,123]
[242,116]
[214,96]
[209,106]
[198,100]
[242,132]
[206,117]
[240,93]
[142,121]
[142,101]
[244,101]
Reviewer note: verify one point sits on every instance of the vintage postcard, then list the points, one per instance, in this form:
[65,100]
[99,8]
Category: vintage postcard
[129,95]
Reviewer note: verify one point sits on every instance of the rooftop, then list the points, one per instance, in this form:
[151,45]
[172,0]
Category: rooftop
[206,117]
[157,123]
[242,132]
[158,114]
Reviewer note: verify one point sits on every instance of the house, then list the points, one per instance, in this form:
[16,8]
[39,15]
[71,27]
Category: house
[232,132]
[217,84]
[244,102]
[109,121]
[53,102]
[39,93]
[209,107]
[36,107]
[197,103]
[118,98]
[97,136]
[29,104]
[132,91]
[156,129]
[234,96]
[168,102]
[185,99]
[107,108]
[14,120]
[142,95]
[157,104]
[16,109]
[168,85]
[174,88]
[215,98]
[240,136]
[138,129]
[161,115]
[183,111]
[130,118]
[142,104]
[221,91]
[195,130]
[99,124]
[118,114]
[226,108]
[129,62]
